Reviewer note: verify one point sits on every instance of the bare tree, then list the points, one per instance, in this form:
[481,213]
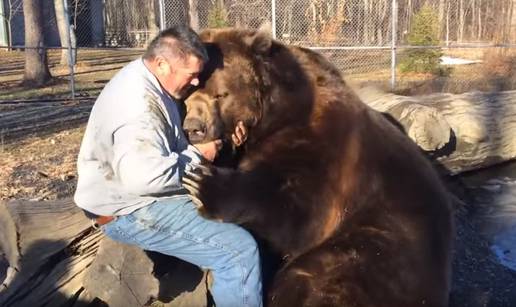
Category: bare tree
[441,11]
[193,12]
[326,20]
[13,7]
[513,22]
[479,19]
[36,64]
[62,25]
[152,25]
[460,26]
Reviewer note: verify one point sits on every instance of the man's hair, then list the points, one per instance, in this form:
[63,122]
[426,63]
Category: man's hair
[176,42]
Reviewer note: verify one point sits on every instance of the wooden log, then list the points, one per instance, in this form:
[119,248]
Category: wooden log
[52,256]
[121,275]
[124,275]
[48,247]
[463,132]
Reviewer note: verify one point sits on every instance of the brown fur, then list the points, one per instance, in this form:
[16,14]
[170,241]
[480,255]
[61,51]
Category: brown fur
[324,180]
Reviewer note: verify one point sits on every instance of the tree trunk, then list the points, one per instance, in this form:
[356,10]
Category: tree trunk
[48,246]
[487,16]
[460,27]
[9,35]
[448,25]
[479,28]
[152,25]
[509,21]
[51,256]
[8,13]
[36,65]
[62,26]
[473,19]
[193,13]
[440,12]
[463,132]
[409,12]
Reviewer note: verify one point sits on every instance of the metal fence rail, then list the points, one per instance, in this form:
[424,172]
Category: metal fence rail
[367,40]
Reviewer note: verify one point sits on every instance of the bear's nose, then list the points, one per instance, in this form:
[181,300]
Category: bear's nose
[195,130]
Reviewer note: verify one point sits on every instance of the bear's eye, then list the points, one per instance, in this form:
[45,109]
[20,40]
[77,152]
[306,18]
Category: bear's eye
[221,95]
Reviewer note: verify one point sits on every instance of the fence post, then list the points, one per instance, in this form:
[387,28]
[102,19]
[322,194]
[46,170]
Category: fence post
[4,37]
[161,16]
[393,43]
[71,59]
[273,25]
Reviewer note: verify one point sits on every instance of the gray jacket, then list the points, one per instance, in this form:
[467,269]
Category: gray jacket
[134,149]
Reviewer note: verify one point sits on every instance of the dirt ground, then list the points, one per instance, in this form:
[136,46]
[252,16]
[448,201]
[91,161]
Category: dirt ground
[39,143]
[94,68]
[41,166]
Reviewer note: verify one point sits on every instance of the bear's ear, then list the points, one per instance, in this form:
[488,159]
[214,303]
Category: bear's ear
[261,41]
[206,35]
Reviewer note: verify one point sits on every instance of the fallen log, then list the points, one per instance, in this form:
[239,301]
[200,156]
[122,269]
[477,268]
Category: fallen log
[52,256]
[124,275]
[47,246]
[463,132]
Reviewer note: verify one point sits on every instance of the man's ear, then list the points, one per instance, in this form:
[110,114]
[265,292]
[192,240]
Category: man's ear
[261,40]
[162,65]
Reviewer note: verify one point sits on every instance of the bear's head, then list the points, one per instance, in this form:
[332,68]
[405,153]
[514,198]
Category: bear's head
[248,77]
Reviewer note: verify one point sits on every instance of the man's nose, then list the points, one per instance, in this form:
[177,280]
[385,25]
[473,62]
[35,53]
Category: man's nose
[195,81]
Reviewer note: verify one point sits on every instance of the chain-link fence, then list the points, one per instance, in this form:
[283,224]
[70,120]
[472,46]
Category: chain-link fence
[410,46]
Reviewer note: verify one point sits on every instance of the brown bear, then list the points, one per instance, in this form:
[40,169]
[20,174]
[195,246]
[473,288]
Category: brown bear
[349,201]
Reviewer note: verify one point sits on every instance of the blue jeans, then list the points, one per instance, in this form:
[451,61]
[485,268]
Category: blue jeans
[172,226]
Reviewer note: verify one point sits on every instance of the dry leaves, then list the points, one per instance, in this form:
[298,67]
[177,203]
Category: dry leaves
[40,167]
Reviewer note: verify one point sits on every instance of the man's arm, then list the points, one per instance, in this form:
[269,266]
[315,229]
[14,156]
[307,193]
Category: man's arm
[144,160]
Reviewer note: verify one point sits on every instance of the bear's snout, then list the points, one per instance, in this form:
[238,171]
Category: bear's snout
[195,130]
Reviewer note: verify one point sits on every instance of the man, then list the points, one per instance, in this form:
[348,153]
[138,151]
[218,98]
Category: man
[133,156]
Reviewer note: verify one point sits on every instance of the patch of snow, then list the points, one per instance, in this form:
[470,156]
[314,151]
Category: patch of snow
[448,60]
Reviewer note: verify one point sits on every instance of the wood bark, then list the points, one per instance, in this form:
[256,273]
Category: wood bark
[460,26]
[11,8]
[50,255]
[440,11]
[193,12]
[462,132]
[62,26]
[48,246]
[36,64]
[479,28]
[152,24]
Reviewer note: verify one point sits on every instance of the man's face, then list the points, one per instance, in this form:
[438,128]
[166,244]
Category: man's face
[177,75]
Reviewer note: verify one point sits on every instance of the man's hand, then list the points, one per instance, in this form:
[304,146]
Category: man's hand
[240,135]
[209,150]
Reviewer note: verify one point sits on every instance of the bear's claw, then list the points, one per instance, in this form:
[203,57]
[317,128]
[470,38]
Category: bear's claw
[191,184]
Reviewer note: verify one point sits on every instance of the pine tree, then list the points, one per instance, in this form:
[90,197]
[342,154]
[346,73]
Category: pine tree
[218,16]
[424,31]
